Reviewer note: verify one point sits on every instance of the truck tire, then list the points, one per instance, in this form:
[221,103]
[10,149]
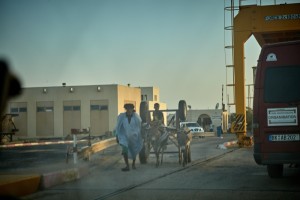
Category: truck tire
[275,171]
[182,110]
[144,112]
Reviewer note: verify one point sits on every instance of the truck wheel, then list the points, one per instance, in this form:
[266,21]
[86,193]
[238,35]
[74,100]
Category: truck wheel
[144,111]
[182,110]
[275,171]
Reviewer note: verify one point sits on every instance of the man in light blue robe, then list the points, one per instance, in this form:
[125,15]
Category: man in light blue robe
[128,131]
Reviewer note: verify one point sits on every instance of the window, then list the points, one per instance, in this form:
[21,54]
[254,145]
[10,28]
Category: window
[99,107]
[14,110]
[44,109]
[94,107]
[67,108]
[104,107]
[76,108]
[144,97]
[23,109]
[282,80]
[17,110]
[40,109]
[70,108]
[49,109]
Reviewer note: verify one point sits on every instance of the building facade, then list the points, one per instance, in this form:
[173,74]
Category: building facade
[45,112]
[209,119]
[152,96]
[54,111]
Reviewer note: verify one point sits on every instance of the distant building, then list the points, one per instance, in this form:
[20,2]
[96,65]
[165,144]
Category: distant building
[54,111]
[209,119]
[151,95]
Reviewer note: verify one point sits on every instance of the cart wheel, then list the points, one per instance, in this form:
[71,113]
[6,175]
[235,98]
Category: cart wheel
[144,153]
[144,111]
[182,110]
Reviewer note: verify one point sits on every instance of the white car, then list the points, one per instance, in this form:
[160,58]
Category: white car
[193,126]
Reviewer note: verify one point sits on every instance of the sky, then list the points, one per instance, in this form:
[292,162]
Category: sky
[175,45]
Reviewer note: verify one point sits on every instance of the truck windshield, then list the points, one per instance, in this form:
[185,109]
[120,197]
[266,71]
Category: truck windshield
[282,80]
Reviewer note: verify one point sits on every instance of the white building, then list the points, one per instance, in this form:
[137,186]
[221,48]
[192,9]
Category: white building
[209,119]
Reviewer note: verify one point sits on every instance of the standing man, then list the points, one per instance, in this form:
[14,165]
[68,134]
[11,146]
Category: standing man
[128,131]
[157,114]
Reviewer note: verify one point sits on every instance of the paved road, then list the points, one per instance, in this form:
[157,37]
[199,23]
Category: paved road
[27,157]
[39,156]
[214,174]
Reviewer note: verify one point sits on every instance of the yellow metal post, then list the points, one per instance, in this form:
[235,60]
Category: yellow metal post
[240,124]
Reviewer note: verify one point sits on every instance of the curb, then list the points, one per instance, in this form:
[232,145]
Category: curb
[19,185]
[22,185]
[56,178]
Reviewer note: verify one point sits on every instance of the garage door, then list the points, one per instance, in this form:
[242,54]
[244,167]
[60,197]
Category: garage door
[44,118]
[99,117]
[72,116]
[21,120]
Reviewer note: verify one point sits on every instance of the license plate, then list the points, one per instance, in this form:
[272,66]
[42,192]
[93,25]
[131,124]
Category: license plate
[284,137]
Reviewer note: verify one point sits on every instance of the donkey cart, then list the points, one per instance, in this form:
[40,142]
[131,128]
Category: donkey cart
[156,135]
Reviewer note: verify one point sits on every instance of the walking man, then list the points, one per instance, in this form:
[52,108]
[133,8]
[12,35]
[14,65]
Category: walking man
[128,131]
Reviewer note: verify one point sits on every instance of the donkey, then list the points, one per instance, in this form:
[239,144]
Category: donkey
[159,139]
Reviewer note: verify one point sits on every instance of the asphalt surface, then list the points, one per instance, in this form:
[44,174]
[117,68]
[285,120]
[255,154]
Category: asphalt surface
[47,175]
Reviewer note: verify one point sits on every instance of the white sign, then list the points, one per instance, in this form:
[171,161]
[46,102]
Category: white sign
[282,117]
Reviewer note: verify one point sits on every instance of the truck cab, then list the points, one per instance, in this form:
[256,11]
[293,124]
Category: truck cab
[276,105]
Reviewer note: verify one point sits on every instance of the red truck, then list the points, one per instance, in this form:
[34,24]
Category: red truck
[276,129]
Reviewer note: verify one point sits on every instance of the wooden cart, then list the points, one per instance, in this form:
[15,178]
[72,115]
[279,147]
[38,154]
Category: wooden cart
[155,135]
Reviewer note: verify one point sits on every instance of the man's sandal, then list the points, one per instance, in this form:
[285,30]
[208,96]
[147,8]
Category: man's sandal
[125,169]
